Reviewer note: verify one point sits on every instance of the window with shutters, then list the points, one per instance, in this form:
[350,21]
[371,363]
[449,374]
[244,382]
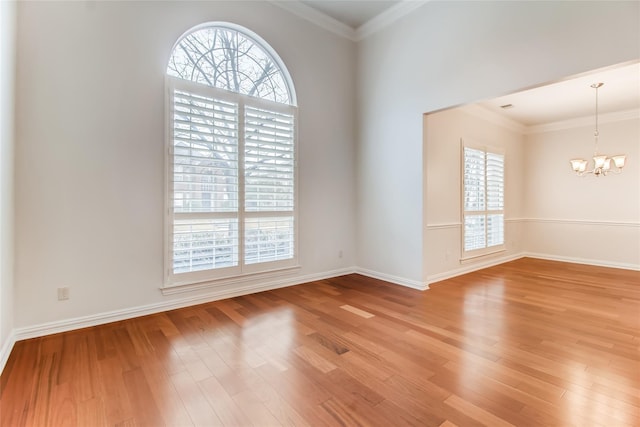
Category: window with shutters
[231,157]
[482,201]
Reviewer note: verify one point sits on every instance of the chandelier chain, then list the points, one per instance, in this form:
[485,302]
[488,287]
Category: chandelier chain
[596,134]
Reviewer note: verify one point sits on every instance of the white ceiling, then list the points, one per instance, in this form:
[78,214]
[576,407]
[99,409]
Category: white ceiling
[353,13]
[573,98]
[568,99]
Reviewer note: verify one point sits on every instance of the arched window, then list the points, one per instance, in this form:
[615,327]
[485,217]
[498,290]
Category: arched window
[231,166]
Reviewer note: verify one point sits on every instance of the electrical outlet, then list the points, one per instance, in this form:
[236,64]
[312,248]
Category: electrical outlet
[340,253]
[63,294]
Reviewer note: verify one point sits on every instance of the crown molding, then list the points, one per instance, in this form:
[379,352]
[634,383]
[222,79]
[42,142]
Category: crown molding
[328,23]
[484,113]
[617,116]
[387,18]
[492,117]
[318,18]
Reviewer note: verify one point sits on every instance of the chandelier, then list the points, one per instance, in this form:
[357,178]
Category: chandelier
[601,163]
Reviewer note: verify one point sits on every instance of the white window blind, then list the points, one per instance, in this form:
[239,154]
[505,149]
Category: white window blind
[205,154]
[269,171]
[269,161]
[483,199]
[204,183]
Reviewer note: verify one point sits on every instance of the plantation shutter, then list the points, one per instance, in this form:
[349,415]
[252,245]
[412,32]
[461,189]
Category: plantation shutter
[483,199]
[269,173]
[232,183]
[204,182]
[474,199]
[495,199]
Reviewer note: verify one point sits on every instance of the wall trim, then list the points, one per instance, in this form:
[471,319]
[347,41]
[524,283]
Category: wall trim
[617,116]
[448,225]
[144,310]
[484,113]
[596,262]
[473,267]
[402,281]
[514,220]
[490,116]
[18,334]
[584,222]
[496,261]
[318,18]
[5,351]
[237,282]
[443,226]
[387,18]
[328,23]
[112,316]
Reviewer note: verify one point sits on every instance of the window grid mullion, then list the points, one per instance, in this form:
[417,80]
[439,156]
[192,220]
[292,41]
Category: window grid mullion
[241,183]
[486,201]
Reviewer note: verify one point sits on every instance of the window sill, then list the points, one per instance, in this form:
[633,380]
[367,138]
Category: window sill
[465,259]
[236,282]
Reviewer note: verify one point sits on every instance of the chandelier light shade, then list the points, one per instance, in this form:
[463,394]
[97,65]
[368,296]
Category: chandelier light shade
[602,164]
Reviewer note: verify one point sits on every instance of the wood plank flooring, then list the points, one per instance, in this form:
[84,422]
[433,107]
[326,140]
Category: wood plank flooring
[527,343]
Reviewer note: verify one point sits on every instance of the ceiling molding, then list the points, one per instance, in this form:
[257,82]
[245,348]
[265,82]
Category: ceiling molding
[374,25]
[617,116]
[318,18]
[387,18]
[485,114]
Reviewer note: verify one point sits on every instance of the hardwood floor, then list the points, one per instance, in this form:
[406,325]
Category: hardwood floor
[530,342]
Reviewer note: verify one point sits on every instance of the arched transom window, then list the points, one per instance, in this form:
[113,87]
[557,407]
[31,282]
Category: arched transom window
[227,58]
[231,175]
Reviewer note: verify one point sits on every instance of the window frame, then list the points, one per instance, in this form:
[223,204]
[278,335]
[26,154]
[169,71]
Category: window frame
[267,268]
[466,255]
[257,40]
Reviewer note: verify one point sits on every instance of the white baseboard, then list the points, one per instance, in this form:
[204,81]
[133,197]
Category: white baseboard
[58,326]
[414,284]
[495,261]
[6,348]
[596,262]
[473,267]
[129,313]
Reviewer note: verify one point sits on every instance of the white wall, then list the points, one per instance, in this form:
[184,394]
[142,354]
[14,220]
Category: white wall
[7,76]
[589,219]
[90,135]
[549,211]
[452,53]
[442,134]
[90,131]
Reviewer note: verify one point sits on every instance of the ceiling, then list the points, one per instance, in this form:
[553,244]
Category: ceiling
[568,99]
[573,98]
